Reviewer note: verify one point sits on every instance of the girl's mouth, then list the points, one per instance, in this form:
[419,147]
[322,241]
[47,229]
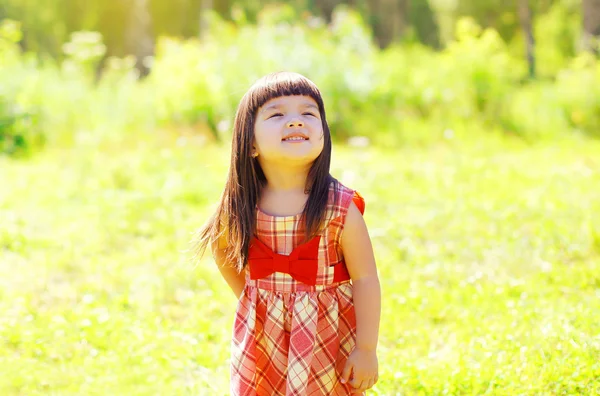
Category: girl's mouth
[295,139]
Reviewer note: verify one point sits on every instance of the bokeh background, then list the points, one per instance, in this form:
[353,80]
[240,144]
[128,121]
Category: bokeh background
[471,128]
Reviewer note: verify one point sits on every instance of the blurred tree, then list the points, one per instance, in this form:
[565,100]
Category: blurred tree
[326,7]
[47,24]
[591,25]
[204,7]
[139,40]
[424,22]
[175,17]
[223,7]
[387,19]
[42,32]
[112,24]
[524,10]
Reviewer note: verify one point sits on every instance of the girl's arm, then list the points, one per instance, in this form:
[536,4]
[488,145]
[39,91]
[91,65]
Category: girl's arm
[235,280]
[360,261]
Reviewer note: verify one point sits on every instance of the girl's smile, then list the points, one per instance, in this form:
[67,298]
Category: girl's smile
[295,137]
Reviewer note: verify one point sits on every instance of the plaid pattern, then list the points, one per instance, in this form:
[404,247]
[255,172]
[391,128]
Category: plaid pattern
[290,338]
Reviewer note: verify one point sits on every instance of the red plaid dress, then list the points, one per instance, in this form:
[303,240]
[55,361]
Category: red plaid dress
[289,337]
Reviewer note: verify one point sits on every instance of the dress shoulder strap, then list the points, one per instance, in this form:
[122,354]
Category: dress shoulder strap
[359,201]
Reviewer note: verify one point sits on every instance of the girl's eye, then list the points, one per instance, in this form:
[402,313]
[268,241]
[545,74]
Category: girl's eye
[275,115]
[310,114]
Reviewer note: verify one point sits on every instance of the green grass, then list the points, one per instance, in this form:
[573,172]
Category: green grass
[489,255]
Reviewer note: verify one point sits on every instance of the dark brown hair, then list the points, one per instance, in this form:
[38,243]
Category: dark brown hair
[234,217]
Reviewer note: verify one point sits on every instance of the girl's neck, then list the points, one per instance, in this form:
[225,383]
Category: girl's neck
[286,179]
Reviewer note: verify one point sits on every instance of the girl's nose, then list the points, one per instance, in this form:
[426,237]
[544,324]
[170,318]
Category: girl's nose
[295,123]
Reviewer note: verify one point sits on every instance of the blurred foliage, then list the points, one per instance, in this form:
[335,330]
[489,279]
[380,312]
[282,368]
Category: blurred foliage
[49,23]
[18,121]
[407,92]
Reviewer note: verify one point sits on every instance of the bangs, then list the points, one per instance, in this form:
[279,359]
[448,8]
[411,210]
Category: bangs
[280,84]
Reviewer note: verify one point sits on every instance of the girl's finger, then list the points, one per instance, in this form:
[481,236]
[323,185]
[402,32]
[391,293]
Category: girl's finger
[366,385]
[370,383]
[356,384]
[346,373]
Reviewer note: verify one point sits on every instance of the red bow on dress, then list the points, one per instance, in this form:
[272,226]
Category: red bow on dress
[301,264]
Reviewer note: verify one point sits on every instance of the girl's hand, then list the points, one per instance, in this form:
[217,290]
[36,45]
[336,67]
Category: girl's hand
[361,370]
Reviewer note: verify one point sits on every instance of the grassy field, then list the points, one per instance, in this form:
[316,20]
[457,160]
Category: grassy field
[488,250]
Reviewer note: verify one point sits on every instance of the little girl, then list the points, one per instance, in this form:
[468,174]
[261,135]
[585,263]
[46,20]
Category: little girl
[291,242]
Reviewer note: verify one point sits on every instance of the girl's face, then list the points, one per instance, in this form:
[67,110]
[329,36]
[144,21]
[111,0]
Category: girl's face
[288,131]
